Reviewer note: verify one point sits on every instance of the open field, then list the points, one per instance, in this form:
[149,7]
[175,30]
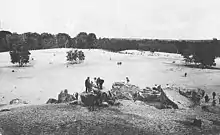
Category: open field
[47,74]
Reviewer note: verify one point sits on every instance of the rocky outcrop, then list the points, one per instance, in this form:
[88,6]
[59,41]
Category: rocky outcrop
[194,95]
[125,91]
[97,98]
[89,99]
[17,101]
[211,109]
[64,97]
[156,96]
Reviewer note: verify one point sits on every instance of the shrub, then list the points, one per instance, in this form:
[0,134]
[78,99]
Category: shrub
[75,56]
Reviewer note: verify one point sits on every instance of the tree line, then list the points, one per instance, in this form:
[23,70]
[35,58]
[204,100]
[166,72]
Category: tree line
[198,51]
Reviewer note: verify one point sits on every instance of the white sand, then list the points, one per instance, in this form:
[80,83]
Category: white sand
[48,74]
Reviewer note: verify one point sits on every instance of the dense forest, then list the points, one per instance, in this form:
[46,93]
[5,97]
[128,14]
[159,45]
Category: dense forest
[89,40]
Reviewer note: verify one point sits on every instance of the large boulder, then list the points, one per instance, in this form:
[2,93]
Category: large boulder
[211,109]
[131,92]
[173,96]
[156,96]
[125,91]
[89,99]
[64,97]
[104,97]
[194,95]
[167,100]
[17,101]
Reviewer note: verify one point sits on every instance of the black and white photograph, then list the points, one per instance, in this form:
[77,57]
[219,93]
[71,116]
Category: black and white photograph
[109,67]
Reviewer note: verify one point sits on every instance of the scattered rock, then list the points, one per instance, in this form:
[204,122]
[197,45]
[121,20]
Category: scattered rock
[194,94]
[64,97]
[75,102]
[124,91]
[197,123]
[52,101]
[5,110]
[111,102]
[117,104]
[140,102]
[212,109]
[25,102]
[104,104]
[16,101]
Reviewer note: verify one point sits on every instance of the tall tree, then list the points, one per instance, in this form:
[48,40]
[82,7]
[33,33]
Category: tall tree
[91,40]
[4,36]
[48,41]
[19,49]
[33,40]
[63,40]
[81,40]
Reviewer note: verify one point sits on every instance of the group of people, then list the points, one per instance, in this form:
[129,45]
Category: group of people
[213,97]
[97,83]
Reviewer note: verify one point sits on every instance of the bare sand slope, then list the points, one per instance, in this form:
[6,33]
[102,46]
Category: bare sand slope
[47,74]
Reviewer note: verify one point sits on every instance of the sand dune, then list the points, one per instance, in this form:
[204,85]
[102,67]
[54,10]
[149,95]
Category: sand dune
[47,74]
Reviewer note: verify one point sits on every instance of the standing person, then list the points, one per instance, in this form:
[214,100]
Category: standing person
[95,82]
[76,95]
[87,84]
[98,82]
[214,102]
[127,80]
[213,95]
[101,83]
[185,74]
[219,100]
[206,98]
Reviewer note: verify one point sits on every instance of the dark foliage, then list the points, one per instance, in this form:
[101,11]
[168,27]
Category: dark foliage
[202,54]
[75,56]
[19,49]
[198,52]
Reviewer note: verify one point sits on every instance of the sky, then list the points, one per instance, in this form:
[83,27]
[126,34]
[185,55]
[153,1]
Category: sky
[157,19]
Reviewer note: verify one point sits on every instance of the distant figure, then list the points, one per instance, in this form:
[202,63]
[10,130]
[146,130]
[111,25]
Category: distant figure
[213,95]
[87,84]
[76,95]
[203,94]
[119,63]
[65,91]
[219,100]
[214,103]
[167,86]
[98,82]
[159,88]
[110,58]
[127,80]
[206,98]
[92,84]
[185,74]
[95,82]
[101,83]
